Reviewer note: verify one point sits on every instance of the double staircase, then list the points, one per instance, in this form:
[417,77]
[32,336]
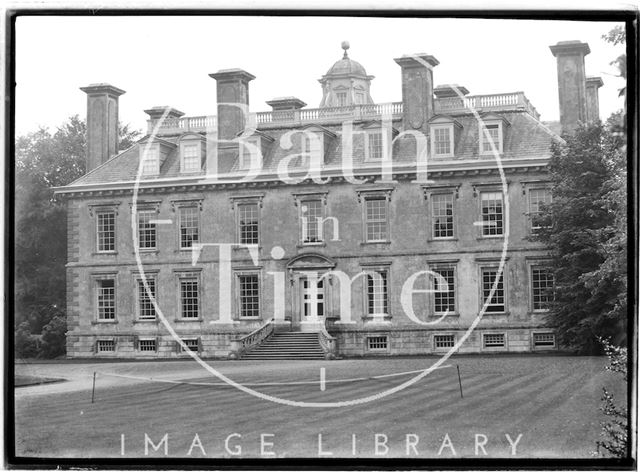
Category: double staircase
[287,345]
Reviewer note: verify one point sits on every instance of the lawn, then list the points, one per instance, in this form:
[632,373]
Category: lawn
[533,406]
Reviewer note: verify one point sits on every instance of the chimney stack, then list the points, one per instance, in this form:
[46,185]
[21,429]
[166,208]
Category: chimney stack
[102,123]
[232,94]
[593,101]
[417,90]
[571,82]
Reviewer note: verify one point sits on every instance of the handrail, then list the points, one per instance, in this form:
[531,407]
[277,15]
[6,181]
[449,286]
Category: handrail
[251,340]
[327,342]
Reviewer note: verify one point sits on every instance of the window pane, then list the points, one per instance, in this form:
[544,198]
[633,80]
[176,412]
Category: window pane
[248,220]
[189,225]
[492,214]
[146,311]
[249,296]
[376,219]
[311,221]
[493,340]
[342,98]
[190,158]
[444,301]
[443,341]
[146,230]
[148,345]
[189,298]
[541,287]
[106,231]
[442,211]
[105,345]
[377,295]
[106,299]
[496,304]
[377,343]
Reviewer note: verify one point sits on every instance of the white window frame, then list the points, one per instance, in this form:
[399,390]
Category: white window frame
[244,161]
[138,285]
[105,340]
[99,213]
[494,348]
[319,222]
[538,265]
[190,339]
[187,143]
[449,127]
[97,279]
[147,338]
[380,268]
[238,275]
[375,194]
[503,219]
[238,201]
[505,292]
[542,348]
[435,267]
[372,339]
[443,348]
[189,276]
[153,212]
[499,145]
[150,167]
[181,208]
[531,214]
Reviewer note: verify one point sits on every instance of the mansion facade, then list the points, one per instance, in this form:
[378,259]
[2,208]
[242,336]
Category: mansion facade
[382,228]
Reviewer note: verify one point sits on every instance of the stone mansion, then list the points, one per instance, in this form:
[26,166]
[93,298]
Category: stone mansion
[350,229]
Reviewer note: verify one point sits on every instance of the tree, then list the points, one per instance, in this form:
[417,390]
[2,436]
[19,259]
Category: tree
[45,160]
[587,239]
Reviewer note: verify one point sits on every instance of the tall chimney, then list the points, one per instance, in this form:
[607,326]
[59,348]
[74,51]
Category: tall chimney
[593,101]
[102,123]
[571,82]
[417,90]
[232,94]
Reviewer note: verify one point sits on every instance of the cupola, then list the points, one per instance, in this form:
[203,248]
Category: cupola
[346,83]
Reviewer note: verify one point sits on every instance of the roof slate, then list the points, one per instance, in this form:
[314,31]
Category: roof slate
[524,137]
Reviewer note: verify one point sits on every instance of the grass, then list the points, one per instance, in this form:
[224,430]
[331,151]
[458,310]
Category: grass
[552,401]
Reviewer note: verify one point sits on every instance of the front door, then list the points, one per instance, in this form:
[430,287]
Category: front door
[312,306]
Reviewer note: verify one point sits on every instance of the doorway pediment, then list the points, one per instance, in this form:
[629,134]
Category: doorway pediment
[310,261]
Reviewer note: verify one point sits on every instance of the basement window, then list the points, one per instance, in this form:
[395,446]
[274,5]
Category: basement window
[493,340]
[377,343]
[105,345]
[442,341]
[544,340]
[147,345]
[193,344]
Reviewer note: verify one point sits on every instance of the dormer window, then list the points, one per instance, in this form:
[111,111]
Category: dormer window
[153,153]
[150,160]
[190,158]
[191,152]
[374,145]
[248,154]
[377,141]
[491,130]
[442,141]
[443,131]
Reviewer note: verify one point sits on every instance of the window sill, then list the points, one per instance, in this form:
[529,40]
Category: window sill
[146,251]
[188,320]
[370,243]
[106,322]
[435,240]
[318,244]
[145,321]
[498,313]
[105,253]
[496,236]
[377,319]
[439,315]
[245,247]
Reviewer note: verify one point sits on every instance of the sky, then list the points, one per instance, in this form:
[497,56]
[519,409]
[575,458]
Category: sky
[166,60]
